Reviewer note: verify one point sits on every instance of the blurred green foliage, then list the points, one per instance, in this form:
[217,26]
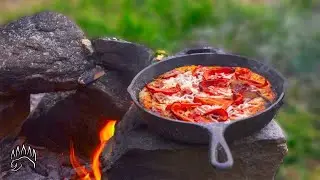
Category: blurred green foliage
[285,34]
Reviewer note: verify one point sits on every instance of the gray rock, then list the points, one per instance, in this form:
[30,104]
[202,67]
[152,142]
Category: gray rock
[23,174]
[41,53]
[51,119]
[13,112]
[121,55]
[34,100]
[113,89]
[64,116]
[143,155]
[83,110]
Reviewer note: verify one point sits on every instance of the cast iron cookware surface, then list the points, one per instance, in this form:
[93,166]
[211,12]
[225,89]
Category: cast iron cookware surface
[216,134]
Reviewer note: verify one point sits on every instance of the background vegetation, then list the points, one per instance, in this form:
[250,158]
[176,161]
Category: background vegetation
[283,33]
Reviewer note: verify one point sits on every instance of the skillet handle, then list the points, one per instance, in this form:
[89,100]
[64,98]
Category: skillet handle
[206,49]
[216,139]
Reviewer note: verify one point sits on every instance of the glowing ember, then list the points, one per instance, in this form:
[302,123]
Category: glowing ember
[105,134]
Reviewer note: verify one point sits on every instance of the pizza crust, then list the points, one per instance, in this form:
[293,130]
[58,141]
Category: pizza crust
[145,98]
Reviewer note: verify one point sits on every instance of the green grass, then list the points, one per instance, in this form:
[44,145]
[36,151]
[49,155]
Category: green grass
[285,35]
[303,141]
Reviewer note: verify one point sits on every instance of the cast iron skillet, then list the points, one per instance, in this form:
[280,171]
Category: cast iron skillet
[212,133]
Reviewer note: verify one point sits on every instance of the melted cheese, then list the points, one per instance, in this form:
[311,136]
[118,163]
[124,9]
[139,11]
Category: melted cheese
[188,81]
[168,83]
[185,80]
[226,92]
[243,110]
[236,112]
[176,98]
[205,108]
[222,75]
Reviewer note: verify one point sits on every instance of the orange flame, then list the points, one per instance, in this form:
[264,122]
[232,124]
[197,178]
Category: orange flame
[105,134]
[80,170]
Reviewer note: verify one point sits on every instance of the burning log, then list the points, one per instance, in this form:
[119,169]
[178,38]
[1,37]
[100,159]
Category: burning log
[144,155]
[41,53]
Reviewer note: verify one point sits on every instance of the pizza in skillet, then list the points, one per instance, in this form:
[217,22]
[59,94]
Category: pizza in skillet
[207,94]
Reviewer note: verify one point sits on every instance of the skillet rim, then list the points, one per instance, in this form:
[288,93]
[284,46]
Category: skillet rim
[275,103]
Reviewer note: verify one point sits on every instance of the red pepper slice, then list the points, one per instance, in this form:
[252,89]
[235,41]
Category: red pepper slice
[225,103]
[213,71]
[237,98]
[168,108]
[220,114]
[258,84]
[198,118]
[178,110]
[242,71]
[205,88]
[221,82]
[172,73]
[245,74]
[196,70]
[155,87]
[201,119]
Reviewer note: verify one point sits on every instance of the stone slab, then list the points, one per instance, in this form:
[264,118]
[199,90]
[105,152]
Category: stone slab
[136,153]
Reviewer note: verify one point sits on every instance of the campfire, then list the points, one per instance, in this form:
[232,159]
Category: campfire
[105,134]
[77,87]
[65,97]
